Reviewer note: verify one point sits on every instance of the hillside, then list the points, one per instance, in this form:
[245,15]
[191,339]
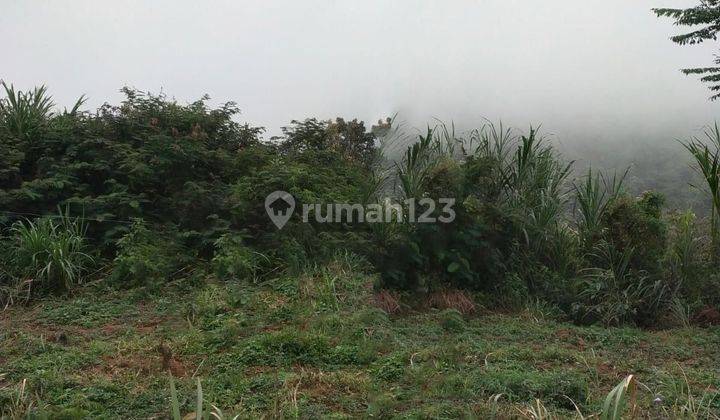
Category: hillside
[319,346]
[155,256]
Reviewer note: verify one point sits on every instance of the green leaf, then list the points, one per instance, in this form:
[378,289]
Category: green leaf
[174,404]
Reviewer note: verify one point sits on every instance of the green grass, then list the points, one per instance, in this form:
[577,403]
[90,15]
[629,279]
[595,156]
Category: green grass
[314,347]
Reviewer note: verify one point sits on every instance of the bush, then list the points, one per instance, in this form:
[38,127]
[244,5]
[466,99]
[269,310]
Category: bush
[451,320]
[311,177]
[636,223]
[146,259]
[234,260]
[614,293]
[149,158]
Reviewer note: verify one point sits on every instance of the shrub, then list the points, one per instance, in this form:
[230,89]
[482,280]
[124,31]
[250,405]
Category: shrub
[144,258]
[635,223]
[311,176]
[615,293]
[593,197]
[683,253]
[348,139]
[234,260]
[149,158]
[451,320]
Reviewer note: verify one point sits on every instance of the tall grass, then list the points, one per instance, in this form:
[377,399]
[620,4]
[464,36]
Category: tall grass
[24,112]
[617,399]
[683,253]
[200,412]
[492,141]
[615,293]
[707,160]
[18,402]
[416,167]
[49,253]
[536,179]
[592,199]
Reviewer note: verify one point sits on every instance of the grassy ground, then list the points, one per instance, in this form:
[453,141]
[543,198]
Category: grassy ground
[316,346]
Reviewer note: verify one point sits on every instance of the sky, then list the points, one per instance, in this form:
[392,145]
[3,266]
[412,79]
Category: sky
[590,70]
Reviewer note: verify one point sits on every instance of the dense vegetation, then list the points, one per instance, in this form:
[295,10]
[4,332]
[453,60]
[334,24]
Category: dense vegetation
[165,202]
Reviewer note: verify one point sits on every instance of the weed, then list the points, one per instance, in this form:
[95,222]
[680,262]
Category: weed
[49,255]
[452,320]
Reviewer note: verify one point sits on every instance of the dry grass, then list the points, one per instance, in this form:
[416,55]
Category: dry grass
[388,301]
[452,299]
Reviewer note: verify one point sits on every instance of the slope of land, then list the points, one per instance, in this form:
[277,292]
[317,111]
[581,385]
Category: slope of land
[318,345]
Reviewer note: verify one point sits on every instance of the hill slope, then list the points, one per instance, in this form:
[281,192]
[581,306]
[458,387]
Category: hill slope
[317,345]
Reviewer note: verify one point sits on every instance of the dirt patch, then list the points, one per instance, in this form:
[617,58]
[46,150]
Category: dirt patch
[111,329]
[605,369]
[574,341]
[149,326]
[707,317]
[118,365]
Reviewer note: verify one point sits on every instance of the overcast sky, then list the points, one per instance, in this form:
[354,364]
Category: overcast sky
[584,69]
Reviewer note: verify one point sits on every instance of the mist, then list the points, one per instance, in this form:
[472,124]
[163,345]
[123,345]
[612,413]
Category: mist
[591,71]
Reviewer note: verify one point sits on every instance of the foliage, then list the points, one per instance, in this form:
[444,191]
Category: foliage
[707,160]
[149,157]
[23,113]
[49,254]
[350,140]
[616,400]
[592,199]
[636,224]
[508,207]
[165,188]
[683,257]
[614,292]
[311,177]
[234,260]
[147,258]
[707,16]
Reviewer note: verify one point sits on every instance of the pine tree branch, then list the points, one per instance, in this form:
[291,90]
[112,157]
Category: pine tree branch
[701,70]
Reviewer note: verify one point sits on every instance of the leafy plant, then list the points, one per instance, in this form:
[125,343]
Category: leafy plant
[592,199]
[617,399]
[23,113]
[683,259]
[144,258]
[706,15]
[200,412]
[417,164]
[235,260]
[614,293]
[637,223]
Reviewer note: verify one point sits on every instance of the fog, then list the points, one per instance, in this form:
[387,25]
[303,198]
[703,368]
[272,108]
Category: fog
[588,71]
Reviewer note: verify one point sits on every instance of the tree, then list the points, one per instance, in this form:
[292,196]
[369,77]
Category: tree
[706,15]
[348,139]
